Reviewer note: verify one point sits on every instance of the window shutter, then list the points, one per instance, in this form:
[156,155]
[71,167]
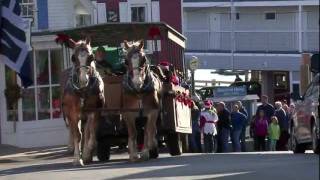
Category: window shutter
[123,12]
[102,14]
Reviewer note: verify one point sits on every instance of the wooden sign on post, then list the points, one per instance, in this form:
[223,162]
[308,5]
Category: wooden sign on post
[194,63]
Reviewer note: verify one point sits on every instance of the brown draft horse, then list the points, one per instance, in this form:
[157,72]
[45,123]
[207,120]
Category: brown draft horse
[82,93]
[143,90]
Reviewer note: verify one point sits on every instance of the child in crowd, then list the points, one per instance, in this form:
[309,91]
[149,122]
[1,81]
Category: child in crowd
[273,133]
[260,131]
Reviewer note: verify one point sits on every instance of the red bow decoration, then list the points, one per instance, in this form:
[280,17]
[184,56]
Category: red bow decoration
[190,104]
[174,80]
[154,32]
[62,38]
[184,99]
[164,63]
[65,39]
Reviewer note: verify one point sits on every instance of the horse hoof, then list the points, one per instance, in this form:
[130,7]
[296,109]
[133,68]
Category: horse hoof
[81,162]
[86,160]
[134,159]
[76,162]
[145,156]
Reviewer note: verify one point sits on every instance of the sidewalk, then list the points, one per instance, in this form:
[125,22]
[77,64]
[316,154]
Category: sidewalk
[8,149]
[11,153]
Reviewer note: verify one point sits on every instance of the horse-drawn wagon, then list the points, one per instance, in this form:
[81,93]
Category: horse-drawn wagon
[140,94]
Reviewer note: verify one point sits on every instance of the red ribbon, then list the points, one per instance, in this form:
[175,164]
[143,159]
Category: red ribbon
[62,38]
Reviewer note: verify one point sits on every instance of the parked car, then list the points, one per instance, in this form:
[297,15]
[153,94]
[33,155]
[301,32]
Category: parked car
[304,128]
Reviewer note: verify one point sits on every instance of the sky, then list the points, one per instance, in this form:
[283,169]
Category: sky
[205,74]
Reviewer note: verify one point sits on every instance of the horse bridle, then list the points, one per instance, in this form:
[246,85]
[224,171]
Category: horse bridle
[88,68]
[141,65]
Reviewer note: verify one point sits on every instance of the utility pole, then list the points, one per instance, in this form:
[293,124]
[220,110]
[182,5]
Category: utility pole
[232,35]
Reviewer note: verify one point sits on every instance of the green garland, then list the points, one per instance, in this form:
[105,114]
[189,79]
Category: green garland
[13,94]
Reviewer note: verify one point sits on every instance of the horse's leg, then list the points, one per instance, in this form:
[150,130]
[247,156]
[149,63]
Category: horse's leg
[150,134]
[76,138]
[132,136]
[71,142]
[90,137]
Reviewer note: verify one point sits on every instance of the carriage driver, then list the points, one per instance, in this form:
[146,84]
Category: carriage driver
[104,62]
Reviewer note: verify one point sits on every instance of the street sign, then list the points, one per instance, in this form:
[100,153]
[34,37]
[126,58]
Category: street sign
[230,91]
[194,63]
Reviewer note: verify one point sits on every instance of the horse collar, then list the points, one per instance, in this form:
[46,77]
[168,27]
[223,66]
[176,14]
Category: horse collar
[148,85]
[83,92]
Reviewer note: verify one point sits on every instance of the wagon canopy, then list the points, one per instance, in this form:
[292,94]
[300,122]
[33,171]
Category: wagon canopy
[115,33]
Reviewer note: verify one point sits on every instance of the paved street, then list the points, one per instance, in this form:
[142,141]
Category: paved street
[54,163]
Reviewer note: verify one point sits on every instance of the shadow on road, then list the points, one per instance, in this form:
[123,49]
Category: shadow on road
[212,165]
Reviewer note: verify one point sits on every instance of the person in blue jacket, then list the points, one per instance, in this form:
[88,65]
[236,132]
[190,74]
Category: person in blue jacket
[243,110]
[238,120]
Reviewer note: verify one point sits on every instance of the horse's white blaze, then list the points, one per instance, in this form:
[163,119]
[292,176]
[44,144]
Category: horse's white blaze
[84,78]
[137,79]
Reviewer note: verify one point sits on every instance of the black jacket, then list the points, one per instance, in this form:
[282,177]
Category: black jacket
[224,119]
[268,110]
[282,118]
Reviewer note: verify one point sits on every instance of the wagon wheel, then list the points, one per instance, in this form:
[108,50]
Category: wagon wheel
[103,150]
[174,144]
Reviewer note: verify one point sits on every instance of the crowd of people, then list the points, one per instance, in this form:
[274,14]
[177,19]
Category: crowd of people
[214,125]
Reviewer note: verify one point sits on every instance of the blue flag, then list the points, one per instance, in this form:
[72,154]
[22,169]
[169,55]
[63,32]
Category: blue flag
[14,50]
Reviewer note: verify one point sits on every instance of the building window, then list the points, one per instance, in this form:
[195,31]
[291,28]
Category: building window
[237,16]
[270,16]
[138,14]
[27,8]
[280,81]
[83,20]
[42,100]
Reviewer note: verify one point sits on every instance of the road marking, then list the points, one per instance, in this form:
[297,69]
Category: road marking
[195,177]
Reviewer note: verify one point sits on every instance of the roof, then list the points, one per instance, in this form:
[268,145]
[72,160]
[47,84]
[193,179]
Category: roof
[115,33]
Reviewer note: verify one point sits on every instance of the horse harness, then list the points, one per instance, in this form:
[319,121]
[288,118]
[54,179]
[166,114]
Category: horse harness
[148,85]
[91,89]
